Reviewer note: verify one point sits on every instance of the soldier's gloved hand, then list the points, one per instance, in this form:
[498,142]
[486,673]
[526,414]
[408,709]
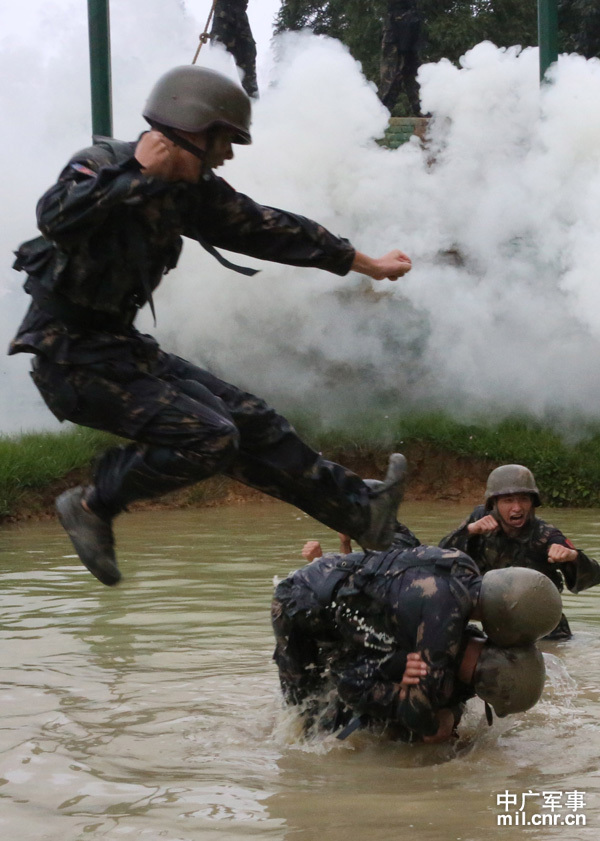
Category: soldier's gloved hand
[558,554]
[312,550]
[486,525]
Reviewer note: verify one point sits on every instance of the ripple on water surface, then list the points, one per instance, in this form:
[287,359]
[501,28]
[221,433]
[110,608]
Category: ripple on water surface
[152,710]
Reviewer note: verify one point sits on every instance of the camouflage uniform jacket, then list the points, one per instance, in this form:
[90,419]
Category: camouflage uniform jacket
[529,549]
[395,603]
[110,233]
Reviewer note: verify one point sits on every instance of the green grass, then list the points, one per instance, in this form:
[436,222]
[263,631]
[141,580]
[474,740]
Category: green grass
[567,468]
[35,460]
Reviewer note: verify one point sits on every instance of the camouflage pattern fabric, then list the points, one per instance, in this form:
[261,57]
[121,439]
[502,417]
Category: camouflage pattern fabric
[529,549]
[353,646]
[110,234]
[402,34]
[232,29]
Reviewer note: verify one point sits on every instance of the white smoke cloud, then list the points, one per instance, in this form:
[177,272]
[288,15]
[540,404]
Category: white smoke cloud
[499,215]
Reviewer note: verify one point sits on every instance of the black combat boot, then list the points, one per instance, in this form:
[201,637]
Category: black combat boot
[383,505]
[91,535]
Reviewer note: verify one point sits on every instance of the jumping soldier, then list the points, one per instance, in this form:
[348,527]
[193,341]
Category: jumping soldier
[111,227]
[384,637]
[232,29]
[505,532]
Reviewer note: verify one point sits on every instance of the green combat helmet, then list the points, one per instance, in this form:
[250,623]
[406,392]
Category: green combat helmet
[510,479]
[518,605]
[193,99]
[510,680]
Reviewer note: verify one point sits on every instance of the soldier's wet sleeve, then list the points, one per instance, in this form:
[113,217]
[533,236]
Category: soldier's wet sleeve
[588,573]
[232,220]
[360,684]
[418,710]
[361,687]
[87,189]
[460,537]
[438,641]
[580,574]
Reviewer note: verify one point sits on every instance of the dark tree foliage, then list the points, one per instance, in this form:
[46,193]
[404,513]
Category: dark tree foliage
[579,26]
[455,26]
[357,23]
[452,26]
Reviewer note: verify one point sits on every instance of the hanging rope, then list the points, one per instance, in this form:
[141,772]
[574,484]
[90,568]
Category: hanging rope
[204,37]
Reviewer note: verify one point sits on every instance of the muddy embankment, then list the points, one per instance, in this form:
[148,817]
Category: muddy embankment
[434,475]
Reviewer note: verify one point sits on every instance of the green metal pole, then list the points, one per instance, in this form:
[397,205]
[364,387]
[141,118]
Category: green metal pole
[99,36]
[547,34]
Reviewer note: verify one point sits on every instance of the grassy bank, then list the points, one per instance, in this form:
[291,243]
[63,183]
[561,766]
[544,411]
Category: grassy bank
[567,472]
[33,461]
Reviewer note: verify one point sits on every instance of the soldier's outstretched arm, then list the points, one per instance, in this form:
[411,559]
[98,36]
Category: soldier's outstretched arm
[234,221]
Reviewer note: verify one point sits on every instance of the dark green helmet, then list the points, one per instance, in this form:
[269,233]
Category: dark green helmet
[510,479]
[518,605]
[510,680]
[191,98]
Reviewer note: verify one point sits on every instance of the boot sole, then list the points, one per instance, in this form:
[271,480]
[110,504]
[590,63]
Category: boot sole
[71,523]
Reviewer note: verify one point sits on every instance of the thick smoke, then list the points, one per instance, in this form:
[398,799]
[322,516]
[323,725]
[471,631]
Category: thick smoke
[499,214]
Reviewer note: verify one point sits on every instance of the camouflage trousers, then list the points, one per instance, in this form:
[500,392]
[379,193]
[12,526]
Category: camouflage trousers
[399,70]
[232,29]
[188,425]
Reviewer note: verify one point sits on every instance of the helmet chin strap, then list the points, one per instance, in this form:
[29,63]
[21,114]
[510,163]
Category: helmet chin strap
[497,515]
[180,141]
[200,153]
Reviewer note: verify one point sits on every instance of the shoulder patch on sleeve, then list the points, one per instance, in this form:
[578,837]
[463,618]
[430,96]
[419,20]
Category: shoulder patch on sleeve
[83,169]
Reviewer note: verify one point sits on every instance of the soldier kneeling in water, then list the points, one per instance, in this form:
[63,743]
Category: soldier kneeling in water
[384,638]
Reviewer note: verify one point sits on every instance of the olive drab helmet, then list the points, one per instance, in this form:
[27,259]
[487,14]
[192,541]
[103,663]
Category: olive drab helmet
[510,680]
[518,605]
[193,99]
[510,479]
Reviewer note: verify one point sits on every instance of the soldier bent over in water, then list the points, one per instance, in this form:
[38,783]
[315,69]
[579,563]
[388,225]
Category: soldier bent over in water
[382,637]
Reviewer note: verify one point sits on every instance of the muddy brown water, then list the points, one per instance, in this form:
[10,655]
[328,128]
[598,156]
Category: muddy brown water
[151,711]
